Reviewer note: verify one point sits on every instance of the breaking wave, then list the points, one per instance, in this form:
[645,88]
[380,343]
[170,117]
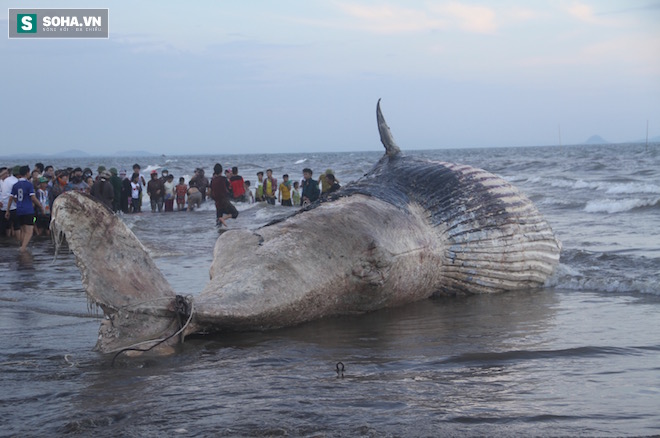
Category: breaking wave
[582,270]
[620,205]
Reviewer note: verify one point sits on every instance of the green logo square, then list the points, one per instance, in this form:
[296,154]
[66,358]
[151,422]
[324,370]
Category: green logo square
[26,23]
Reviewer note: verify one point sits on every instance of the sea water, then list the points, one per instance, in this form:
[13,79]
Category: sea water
[580,356]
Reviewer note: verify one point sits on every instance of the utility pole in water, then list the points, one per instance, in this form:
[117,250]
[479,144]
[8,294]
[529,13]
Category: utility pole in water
[559,130]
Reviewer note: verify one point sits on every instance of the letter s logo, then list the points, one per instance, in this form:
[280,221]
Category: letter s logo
[27,23]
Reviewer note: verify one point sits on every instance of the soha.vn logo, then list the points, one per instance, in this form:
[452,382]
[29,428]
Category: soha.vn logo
[26,23]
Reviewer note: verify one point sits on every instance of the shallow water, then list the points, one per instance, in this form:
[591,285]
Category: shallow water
[579,357]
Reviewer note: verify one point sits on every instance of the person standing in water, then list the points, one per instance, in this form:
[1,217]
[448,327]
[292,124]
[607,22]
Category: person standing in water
[284,193]
[237,185]
[259,191]
[310,188]
[25,198]
[270,187]
[181,189]
[224,209]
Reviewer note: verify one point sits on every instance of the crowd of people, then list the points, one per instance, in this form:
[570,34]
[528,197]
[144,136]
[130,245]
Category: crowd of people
[26,195]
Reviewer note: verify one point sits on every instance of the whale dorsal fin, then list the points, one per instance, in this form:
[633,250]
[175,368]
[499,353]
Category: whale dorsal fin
[391,148]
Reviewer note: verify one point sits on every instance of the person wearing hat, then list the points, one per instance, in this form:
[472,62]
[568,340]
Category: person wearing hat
[102,189]
[156,191]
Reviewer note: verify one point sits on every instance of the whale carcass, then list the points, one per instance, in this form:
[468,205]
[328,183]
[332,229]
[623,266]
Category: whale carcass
[408,229]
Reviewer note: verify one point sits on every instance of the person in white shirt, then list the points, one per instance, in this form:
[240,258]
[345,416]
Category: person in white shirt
[10,226]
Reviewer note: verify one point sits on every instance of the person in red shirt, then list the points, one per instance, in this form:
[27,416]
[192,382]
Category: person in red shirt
[224,209]
[237,186]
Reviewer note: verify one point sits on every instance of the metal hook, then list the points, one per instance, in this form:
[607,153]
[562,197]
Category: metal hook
[340,369]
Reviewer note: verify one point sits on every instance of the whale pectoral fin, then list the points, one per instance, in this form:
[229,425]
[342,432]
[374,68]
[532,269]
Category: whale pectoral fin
[117,272]
[386,138]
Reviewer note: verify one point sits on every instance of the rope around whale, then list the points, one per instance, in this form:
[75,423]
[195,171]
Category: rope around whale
[134,347]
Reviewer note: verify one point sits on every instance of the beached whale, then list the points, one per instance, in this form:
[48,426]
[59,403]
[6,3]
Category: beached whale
[407,230]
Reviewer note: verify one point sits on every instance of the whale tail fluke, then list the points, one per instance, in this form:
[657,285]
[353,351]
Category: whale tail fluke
[391,149]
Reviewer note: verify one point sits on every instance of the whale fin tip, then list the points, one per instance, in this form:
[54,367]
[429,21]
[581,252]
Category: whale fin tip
[391,148]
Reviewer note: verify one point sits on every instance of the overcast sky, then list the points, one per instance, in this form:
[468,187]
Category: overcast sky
[294,76]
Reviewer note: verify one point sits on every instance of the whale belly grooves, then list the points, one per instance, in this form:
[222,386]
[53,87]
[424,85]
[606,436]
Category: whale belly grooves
[497,239]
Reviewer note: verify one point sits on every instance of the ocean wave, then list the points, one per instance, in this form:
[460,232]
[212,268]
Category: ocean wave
[149,168]
[571,278]
[611,272]
[625,188]
[561,203]
[515,178]
[631,188]
[568,183]
[612,206]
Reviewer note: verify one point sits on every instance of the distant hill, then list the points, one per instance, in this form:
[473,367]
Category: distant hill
[596,139]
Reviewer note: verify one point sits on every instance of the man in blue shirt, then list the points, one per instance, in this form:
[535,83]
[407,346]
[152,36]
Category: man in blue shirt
[22,194]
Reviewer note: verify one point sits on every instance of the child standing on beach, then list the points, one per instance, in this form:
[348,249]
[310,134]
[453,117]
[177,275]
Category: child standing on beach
[259,193]
[136,194]
[295,193]
[42,224]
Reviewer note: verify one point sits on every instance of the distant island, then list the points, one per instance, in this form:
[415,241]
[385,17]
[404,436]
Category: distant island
[596,139]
